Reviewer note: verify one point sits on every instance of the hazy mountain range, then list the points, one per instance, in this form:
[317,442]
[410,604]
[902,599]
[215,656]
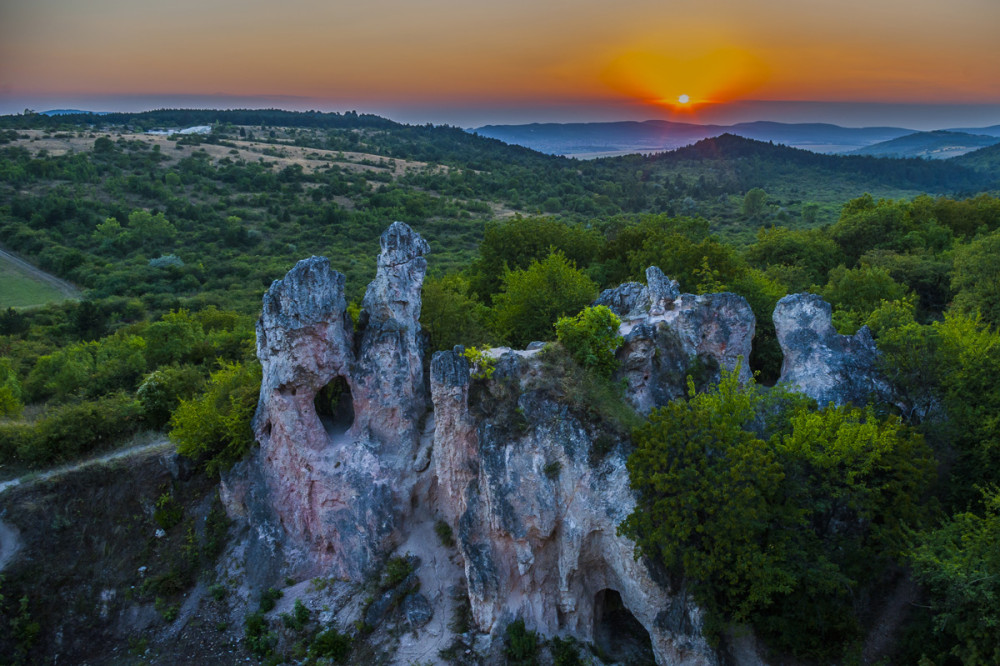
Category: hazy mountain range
[618,138]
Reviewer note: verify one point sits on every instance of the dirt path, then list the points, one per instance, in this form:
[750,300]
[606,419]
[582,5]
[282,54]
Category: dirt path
[160,442]
[10,538]
[65,288]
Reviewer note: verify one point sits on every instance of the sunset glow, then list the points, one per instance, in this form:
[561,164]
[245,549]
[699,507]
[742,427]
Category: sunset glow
[389,52]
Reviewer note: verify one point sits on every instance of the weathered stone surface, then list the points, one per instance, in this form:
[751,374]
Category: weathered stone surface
[505,463]
[669,335]
[536,521]
[417,610]
[390,374]
[333,494]
[826,366]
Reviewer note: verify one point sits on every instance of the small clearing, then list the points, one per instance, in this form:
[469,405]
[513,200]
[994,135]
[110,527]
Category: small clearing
[25,285]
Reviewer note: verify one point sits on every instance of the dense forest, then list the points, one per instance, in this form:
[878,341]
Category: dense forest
[174,239]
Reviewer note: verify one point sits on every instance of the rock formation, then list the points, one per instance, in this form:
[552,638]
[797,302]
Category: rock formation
[820,362]
[533,489]
[537,509]
[669,335]
[337,489]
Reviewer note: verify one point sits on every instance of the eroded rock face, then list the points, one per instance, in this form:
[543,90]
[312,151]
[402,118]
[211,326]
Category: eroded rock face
[669,335]
[505,461]
[818,361]
[336,489]
[536,512]
[390,371]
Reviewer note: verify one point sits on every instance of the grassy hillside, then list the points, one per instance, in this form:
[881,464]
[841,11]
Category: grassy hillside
[22,288]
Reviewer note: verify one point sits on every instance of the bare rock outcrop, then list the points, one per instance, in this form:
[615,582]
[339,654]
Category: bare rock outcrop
[331,490]
[821,363]
[532,489]
[669,335]
[536,510]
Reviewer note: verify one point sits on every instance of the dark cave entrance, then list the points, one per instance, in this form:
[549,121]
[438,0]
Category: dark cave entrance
[335,407]
[617,634]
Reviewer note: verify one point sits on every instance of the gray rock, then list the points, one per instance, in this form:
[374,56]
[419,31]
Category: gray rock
[681,335]
[535,545]
[819,362]
[627,300]
[325,495]
[417,609]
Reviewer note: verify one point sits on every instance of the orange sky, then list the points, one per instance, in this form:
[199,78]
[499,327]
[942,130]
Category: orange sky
[513,52]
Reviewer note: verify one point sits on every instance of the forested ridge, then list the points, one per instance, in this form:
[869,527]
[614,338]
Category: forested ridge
[174,240]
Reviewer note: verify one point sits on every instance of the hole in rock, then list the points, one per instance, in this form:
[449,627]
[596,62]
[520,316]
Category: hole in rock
[335,407]
[617,634]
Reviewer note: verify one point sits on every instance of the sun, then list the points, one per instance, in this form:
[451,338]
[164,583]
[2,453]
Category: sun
[683,99]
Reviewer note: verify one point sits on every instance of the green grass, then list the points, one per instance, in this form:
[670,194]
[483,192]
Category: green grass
[18,289]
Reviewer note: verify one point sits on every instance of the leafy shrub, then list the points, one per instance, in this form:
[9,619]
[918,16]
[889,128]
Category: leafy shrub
[331,644]
[168,512]
[959,564]
[298,618]
[396,571]
[215,426]
[444,532]
[73,430]
[166,261]
[10,390]
[565,652]
[591,338]
[163,389]
[259,640]
[268,599]
[521,645]
[534,298]
[88,369]
[482,363]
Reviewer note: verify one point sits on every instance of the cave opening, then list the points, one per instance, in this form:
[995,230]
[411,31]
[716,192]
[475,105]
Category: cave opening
[618,636]
[335,407]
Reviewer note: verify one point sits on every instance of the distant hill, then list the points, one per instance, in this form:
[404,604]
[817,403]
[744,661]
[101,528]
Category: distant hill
[940,145]
[986,160]
[70,112]
[606,139]
[753,163]
[992,130]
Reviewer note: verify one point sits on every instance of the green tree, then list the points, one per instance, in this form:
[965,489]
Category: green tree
[516,243]
[754,203]
[10,390]
[214,427]
[591,338]
[775,513]
[976,278]
[959,564]
[162,390]
[451,315]
[705,488]
[812,251]
[173,338]
[534,298]
[855,293]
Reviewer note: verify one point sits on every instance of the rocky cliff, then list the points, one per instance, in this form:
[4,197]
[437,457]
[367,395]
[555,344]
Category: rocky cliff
[530,484]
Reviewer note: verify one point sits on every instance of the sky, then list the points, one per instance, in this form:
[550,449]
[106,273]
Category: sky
[916,63]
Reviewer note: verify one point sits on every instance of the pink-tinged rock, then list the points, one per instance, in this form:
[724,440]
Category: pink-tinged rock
[335,490]
[536,516]
[819,362]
